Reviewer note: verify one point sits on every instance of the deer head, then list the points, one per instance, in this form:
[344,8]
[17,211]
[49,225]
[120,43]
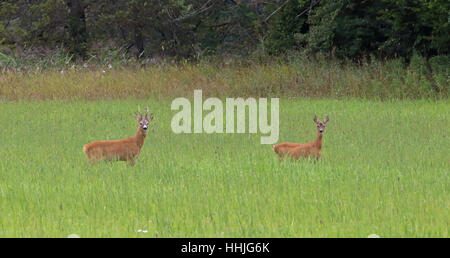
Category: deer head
[321,125]
[143,121]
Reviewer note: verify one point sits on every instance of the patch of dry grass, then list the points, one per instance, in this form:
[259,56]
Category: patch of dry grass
[300,78]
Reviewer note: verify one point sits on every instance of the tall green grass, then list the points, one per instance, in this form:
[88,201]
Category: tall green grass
[384,171]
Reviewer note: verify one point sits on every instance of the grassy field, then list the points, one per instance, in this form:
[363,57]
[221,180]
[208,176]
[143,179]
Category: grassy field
[385,171]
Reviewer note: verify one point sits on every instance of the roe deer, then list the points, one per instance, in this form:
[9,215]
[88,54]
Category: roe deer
[127,149]
[310,149]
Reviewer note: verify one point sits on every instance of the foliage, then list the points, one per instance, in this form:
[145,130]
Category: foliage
[417,25]
[191,29]
[286,26]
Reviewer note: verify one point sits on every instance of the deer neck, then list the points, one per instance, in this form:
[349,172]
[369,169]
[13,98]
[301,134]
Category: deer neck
[140,137]
[318,141]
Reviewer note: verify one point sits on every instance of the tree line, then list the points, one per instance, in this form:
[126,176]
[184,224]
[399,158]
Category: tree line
[194,28]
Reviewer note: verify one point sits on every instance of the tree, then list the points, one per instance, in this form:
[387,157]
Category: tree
[350,28]
[77,27]
[285,26]
[420,26]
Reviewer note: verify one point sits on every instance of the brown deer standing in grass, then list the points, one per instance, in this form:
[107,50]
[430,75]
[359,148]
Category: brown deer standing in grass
[297,150]
[127,149]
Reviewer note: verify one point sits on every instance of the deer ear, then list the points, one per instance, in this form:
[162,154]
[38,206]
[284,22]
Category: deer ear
[136,116]
[315,119]
[326,120]
[151,117]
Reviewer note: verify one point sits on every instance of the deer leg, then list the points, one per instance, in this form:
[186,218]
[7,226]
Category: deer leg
[91,160]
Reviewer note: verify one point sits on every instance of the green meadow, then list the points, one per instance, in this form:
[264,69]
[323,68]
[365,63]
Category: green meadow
[384,171]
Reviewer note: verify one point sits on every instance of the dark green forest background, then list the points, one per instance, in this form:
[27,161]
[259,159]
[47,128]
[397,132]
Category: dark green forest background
[191,29]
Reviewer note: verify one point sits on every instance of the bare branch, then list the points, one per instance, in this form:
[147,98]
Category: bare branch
[219,25]
[277,10]
[313,3]
[202,9]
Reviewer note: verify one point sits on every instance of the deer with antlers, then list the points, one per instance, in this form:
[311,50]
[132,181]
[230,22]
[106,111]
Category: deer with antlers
[297,150]
[127,149]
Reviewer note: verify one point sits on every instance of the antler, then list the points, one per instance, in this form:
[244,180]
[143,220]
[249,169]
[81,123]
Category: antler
[146,112]
[138,115]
